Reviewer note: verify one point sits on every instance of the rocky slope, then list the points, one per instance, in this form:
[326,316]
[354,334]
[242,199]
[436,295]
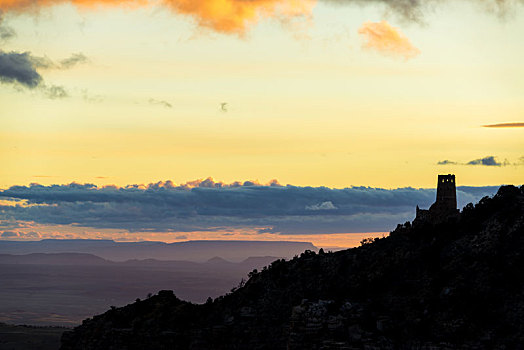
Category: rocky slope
[455,285]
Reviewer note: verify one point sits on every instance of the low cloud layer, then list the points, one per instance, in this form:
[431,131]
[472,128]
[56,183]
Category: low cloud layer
[387,40]
[9,235]
[205,205]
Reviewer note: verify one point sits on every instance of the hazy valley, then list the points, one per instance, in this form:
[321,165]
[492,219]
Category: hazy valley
[62,289]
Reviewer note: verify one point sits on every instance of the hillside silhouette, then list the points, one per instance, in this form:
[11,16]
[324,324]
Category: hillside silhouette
[455,284]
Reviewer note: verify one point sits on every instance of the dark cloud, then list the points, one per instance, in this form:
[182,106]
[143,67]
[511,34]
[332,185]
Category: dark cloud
[447,162]
[21,68]
[18,68]
[505,125]
[160,103]
[486,161]
[206,205]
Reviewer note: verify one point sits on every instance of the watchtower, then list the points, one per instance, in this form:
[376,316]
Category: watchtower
[446,192]
[446,204]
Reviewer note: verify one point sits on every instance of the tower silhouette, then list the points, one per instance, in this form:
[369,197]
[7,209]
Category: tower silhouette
[445,205]
[447,192]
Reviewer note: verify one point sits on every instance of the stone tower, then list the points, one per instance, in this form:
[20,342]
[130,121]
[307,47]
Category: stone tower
[446,204]
[447,192]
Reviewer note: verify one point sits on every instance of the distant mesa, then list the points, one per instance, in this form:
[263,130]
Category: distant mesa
[444,207]
[195,251]
[62,259]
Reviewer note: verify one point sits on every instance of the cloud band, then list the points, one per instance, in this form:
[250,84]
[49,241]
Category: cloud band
[207,206]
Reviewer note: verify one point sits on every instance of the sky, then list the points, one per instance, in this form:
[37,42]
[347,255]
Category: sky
[322,121]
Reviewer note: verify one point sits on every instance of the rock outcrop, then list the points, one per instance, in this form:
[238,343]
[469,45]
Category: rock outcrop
[452,285]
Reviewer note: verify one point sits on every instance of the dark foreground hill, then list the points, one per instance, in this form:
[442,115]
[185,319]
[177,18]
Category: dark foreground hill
[455,285]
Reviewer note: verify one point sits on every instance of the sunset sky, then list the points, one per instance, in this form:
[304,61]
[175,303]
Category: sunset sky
[321,95]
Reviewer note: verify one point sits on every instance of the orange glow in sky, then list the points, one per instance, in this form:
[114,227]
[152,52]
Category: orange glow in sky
[133,92]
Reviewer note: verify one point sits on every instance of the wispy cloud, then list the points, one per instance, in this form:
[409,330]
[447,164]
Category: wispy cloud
[490,161]
[73,60]
[6,32]
[206,205]
[87,96]
[446,162]
[505,125]
[162,103]
[66,63]
[54,91]
[387,40]
[414,10]
[486,161]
